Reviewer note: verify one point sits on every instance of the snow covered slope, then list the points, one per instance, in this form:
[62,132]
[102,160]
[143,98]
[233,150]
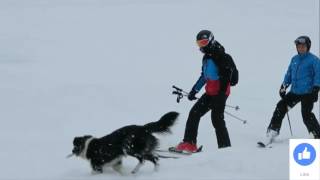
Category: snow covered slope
[74,67]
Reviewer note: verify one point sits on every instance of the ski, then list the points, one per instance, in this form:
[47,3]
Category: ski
[264,145]
[167,157]
[272,143]
[174,150]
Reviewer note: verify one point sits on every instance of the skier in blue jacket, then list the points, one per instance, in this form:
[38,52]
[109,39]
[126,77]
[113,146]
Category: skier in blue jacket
[303,75]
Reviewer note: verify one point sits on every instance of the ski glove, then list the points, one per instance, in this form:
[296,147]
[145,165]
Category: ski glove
[282,91]
[192,95]
[314,93]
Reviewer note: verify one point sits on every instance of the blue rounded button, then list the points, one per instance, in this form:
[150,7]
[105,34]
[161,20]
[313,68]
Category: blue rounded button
[304,154]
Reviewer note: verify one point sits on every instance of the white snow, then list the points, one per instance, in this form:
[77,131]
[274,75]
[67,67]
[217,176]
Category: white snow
[75,67]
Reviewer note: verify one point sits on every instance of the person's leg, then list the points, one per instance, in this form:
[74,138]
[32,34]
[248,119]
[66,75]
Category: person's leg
[309,118]
[290,100]
[200,108]
[217,118]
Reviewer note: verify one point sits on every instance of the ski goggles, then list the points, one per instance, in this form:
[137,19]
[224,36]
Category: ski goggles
[203,43]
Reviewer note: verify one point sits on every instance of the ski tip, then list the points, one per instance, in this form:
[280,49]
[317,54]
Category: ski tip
[171,148]
[261,144]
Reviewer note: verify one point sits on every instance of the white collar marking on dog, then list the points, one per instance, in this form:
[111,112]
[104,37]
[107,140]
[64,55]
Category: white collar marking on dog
[83,154]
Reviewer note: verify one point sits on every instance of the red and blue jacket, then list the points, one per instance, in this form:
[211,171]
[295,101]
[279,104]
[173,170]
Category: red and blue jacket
[210,78]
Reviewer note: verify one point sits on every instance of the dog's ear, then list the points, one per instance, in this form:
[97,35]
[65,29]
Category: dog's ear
[87,136]
[77,140]
[81,140]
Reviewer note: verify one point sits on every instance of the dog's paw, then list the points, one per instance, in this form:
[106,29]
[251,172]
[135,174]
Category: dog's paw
[96,171]
[118,168]
[134,172]
[156,167]
[93,172]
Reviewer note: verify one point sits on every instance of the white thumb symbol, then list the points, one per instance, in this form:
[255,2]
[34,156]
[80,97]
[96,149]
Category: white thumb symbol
[306,154]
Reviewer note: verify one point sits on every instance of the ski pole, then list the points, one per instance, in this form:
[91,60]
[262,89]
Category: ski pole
[180,96]
[242,120]
[288,108]
[181,93]
[289,123]
[234,107]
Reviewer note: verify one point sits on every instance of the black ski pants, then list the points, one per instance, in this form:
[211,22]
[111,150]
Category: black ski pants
[290,100]
[217,105]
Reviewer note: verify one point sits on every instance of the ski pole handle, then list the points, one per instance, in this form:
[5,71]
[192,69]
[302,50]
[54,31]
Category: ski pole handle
[178,89]
[179,92]
[179,95]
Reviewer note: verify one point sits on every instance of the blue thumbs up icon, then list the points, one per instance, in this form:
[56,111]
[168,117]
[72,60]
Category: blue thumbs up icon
[304,154]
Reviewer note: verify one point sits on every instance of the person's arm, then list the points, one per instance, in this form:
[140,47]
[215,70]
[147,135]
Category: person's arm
[196,88]
[316,70]
[316,80]
[199,84]
[287,78]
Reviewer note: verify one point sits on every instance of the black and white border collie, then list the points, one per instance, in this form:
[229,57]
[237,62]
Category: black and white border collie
[132,140]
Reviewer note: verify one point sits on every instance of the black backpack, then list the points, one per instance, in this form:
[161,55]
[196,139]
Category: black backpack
[232,70]
[227,68]
[228,71]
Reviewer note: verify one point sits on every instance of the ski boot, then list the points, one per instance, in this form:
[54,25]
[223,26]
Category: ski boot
[184,148]
[271,135]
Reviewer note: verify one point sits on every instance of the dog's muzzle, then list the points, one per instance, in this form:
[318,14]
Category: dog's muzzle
[70,155]
[76,151]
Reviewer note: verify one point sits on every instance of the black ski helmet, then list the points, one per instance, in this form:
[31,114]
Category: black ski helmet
[303,40]
[205,34]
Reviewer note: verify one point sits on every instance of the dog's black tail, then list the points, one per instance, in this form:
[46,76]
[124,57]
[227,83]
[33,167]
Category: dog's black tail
[164,124]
